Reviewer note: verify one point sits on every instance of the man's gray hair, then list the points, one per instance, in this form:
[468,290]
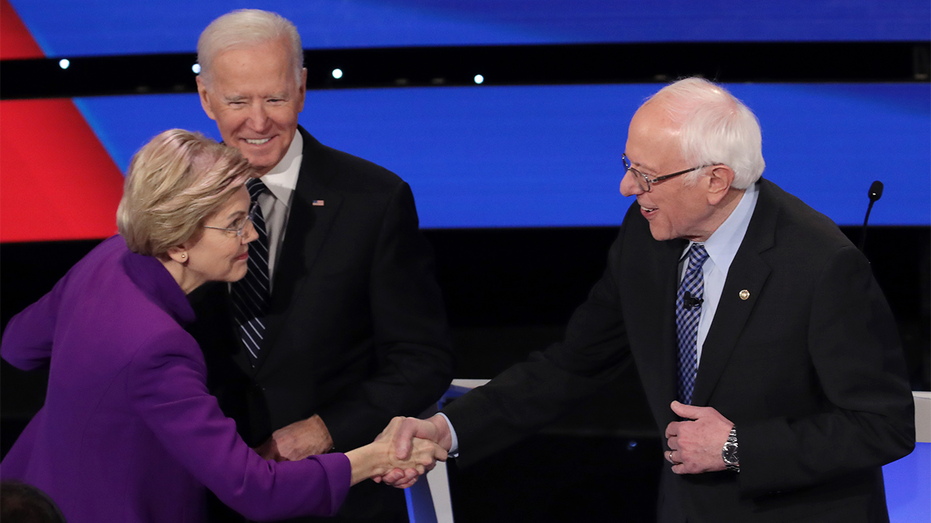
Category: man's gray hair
[245,28]
[715,128]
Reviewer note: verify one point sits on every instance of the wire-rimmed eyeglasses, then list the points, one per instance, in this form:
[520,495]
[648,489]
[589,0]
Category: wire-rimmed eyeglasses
[238,228]
[645,182]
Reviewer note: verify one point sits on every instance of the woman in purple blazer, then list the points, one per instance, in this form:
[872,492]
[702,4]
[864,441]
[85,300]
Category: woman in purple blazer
[128,431]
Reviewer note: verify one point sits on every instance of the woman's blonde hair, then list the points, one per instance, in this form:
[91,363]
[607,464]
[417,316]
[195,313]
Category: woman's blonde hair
[174,183]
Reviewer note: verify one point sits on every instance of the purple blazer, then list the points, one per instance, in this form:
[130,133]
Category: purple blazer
[128,431]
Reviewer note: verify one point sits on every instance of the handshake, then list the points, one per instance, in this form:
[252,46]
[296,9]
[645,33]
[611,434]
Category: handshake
[407,449]
[414,445]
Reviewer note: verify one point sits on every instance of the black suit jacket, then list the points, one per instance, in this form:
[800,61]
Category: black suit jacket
[809,368]
[356,330]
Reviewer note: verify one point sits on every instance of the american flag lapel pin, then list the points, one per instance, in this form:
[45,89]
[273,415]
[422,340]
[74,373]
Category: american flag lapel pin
[317,203]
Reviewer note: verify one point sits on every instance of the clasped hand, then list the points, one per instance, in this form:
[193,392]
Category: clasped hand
[695,444]
[297,441]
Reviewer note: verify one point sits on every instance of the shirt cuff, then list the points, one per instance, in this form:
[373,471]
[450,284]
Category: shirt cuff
[454,446]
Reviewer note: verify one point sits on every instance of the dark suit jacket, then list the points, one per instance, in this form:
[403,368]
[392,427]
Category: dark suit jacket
[809,368]
[357,330]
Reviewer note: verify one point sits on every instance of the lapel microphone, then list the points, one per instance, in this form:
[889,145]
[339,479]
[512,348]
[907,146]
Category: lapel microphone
[690,301]
[875,193]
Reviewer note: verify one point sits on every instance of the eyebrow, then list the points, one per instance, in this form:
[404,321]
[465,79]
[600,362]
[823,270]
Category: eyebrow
[236,215]
[241,97]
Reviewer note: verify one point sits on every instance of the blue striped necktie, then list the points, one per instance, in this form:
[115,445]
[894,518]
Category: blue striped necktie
[688,313]
[251,294]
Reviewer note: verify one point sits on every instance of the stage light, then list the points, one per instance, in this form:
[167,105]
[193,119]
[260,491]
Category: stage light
[479,79]
[196,68]
[64,63]
[337,73]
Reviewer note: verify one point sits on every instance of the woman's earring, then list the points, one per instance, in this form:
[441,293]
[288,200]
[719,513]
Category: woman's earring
[183,255]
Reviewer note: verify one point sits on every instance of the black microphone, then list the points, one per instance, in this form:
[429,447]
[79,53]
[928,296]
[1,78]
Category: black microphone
[690,302]
[874,194]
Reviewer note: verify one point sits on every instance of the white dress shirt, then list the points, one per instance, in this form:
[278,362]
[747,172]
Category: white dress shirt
[722,246]
[276,202]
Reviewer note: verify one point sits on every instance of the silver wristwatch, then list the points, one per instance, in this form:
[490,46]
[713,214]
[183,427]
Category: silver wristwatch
[729,452]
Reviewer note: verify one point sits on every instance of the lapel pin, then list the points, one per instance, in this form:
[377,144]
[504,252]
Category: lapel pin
[317,203]
[744,294]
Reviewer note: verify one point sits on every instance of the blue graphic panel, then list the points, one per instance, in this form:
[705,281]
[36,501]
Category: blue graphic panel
[103,27]
[551,155]
[908,486]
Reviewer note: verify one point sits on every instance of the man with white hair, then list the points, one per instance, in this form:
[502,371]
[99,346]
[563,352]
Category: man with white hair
[768,354]
[339,324]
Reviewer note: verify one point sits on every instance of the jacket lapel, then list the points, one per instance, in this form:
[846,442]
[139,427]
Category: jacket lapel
[313,208]
[669,359]
[742,290]
[650,311]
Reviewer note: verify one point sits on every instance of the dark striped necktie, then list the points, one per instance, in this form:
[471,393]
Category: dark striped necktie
[251,294]
[688,313]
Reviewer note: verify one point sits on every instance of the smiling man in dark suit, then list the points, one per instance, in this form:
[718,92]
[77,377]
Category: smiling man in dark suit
[339,325]
[768,354]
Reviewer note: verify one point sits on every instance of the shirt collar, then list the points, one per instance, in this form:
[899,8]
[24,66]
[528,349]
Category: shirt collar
[723,243]
[282,179]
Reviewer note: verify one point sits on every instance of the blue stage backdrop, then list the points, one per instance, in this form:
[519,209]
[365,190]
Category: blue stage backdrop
[65,28]
[551,155]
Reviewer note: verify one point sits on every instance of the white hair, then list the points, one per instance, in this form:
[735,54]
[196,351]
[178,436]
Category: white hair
[715,128]
[246,28]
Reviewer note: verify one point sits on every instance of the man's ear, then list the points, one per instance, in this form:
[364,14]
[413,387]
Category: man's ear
[719,182]
[204,101]
[303,89]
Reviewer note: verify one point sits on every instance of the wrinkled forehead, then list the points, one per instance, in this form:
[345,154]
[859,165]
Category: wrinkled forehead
[274,56]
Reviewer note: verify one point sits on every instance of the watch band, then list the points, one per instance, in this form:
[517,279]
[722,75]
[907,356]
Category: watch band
[729,452]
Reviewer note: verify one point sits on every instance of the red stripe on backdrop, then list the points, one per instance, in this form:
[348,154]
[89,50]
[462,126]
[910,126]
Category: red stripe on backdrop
[15,39]
[57,182]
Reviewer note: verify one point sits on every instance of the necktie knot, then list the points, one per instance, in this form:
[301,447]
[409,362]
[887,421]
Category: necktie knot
[697,256]
[255,186]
